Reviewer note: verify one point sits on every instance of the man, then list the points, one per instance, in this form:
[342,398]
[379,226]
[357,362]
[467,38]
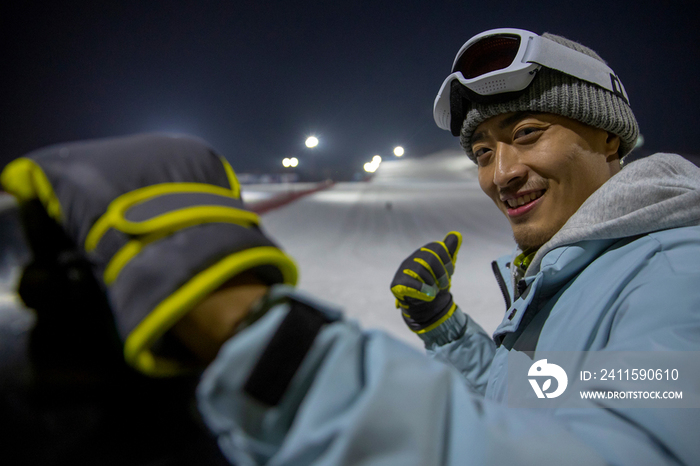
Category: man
[602,258]
[298,385]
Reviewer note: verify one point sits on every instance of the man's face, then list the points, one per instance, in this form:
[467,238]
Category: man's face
[540,168]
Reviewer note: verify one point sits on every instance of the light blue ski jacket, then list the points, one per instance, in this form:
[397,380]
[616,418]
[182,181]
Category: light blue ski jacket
[622,275]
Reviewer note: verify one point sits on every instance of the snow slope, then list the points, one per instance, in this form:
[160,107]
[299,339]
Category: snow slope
[348,240]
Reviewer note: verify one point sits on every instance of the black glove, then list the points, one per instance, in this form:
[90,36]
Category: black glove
[422,284]
[160,221]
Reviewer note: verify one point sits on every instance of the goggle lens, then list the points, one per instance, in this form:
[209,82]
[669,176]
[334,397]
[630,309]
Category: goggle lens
[487,55]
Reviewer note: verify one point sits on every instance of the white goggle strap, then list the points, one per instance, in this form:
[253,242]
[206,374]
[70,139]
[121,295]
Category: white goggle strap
[552,55]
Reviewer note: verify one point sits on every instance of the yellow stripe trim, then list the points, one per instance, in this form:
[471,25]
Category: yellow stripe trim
[178,219]
[24,179]
[437,282]
[404,291]
[459,245]
[434,253]
[137,346]
[426,266]
[413,274]
[442,243]
[232,179]
[127,252]
[114,216]
[120,259]
[441,321]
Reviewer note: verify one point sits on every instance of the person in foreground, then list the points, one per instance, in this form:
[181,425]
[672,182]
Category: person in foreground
[606,264]
[127,236]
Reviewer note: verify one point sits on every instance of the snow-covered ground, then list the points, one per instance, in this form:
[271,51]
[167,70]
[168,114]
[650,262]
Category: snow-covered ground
[349,240]
[263,192]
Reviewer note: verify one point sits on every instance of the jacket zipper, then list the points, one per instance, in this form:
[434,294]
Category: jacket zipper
[501,283]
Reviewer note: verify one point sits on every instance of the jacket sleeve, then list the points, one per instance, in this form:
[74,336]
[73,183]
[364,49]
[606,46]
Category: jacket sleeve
[364,398]
[461,343]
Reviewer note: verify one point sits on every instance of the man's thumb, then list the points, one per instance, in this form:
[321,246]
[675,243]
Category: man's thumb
[453,241]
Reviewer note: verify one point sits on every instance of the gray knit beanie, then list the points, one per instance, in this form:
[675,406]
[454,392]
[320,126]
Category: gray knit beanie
[555,92]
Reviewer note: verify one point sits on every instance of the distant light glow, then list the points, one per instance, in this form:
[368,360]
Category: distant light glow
[287,162]
[311,142]
[398,151]
[371,167]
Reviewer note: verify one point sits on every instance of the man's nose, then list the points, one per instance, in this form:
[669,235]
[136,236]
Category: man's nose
[509,169]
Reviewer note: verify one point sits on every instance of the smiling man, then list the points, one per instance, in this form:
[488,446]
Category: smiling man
[548,124]
[603,258]
[540,168]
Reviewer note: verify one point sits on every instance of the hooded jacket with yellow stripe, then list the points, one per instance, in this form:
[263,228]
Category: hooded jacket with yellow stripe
[161,220]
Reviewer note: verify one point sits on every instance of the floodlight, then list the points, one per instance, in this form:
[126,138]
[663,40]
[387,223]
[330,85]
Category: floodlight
[311,142]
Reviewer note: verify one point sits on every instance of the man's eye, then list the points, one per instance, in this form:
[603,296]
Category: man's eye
[527,131]
[481,154]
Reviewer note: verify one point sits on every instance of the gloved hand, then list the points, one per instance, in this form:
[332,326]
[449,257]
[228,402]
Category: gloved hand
[422,284]
[159,220]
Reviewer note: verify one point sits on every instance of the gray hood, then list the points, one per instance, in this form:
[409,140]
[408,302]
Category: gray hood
[658,192]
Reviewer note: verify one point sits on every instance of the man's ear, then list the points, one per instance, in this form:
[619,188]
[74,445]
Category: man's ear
[612,146]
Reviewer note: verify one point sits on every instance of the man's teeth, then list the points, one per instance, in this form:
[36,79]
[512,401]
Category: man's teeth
[522,200]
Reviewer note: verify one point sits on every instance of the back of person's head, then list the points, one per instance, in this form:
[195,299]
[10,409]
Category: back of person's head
[145,226]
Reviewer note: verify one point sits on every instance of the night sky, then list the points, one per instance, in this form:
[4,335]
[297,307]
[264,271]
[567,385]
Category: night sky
[255,78]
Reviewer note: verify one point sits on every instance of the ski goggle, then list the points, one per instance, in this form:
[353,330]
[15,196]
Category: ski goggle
[499,64]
